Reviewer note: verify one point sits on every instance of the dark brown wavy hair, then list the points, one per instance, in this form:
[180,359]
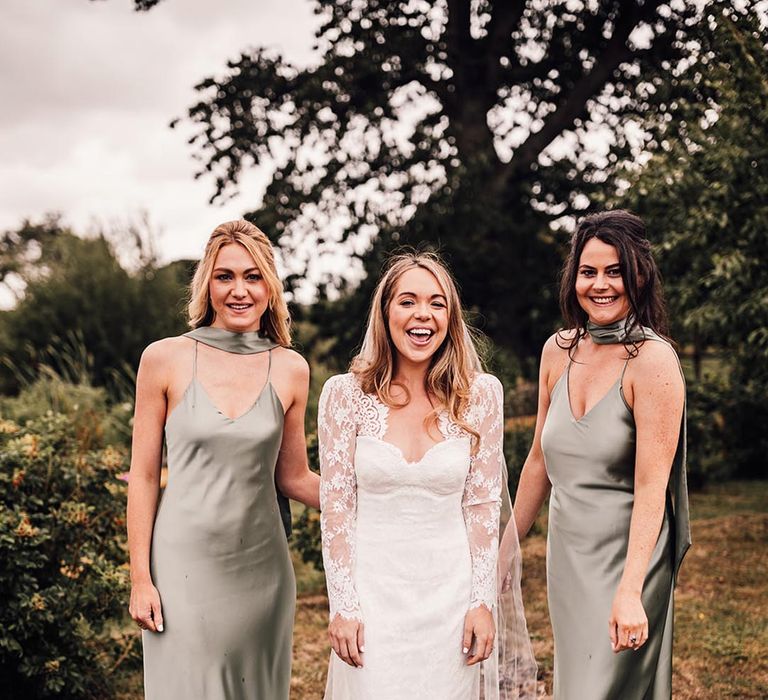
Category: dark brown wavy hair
[642,280]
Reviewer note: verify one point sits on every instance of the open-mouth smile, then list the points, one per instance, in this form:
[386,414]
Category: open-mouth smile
[420,335]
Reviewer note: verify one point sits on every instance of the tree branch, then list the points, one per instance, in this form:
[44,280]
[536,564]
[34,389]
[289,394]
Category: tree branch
[590,85]
[458,38]
[505,17]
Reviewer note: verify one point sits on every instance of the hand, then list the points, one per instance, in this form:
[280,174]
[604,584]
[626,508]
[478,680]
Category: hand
[628,624]
[478,627]
[145,607]
[347,640]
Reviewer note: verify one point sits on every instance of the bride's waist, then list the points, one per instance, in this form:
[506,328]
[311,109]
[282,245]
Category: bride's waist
[394,527]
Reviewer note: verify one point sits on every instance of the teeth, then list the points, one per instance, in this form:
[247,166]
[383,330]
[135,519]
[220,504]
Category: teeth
[420,331]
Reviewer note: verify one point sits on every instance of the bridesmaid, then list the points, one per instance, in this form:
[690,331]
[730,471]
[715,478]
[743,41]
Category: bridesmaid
[212,583]
[610,444]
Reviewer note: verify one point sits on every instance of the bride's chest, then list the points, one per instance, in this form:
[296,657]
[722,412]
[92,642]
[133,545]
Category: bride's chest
[380,467]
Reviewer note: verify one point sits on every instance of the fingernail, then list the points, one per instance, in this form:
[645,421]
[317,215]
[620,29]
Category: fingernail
[362,648]
[465,649]
[160,627]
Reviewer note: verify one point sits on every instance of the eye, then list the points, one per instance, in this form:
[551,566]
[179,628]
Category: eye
[616,272]
[587,273]
[438,304]
[254,277]
[406,302]
[223,277]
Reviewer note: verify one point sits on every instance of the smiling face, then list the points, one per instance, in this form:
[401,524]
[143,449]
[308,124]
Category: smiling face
[239,296]
[599,284]
[417,316]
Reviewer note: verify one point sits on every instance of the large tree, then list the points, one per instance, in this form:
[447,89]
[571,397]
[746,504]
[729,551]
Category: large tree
[470,124]
[704,196]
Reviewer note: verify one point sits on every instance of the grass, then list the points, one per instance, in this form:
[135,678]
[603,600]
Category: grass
[721,624]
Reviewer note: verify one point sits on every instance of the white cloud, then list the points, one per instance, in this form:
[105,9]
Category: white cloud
[90,89]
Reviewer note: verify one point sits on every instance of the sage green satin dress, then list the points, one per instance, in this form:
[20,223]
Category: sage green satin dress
[591,464]
[219,550]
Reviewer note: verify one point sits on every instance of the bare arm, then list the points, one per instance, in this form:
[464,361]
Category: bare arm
[659,395]
[294,477]
[534,484]
[144,482]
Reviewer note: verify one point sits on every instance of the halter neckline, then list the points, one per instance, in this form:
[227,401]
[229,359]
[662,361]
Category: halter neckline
[248,343]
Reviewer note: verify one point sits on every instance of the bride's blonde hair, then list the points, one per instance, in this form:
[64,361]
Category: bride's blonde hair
[455,363]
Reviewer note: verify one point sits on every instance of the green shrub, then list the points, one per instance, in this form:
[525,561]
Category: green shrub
[518,437]
[63,580]
[95,420]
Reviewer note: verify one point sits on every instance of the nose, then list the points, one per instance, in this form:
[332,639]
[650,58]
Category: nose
[239,289]
[423,311]
[601,280]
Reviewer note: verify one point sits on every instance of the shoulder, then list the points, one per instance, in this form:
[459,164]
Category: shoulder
[487,386]
[556,346]
[656,356]
[291,362]
[655,371]
[554,354]
[166,351]
[342,383]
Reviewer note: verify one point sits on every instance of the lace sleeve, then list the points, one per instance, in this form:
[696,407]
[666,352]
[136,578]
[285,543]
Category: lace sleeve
[338,493]
[482,492]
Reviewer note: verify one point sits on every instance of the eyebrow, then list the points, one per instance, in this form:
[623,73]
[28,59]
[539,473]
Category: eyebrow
[413,294]
[592,267]
[226,269]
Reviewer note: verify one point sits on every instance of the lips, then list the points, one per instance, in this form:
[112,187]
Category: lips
[420,335]
[604,300]
[239,308]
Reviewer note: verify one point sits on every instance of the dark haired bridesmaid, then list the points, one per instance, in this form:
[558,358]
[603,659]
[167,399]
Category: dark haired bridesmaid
[610,444]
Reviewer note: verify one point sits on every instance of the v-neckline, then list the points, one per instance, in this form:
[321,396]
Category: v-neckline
[594,406]
[210,400]
[384,429]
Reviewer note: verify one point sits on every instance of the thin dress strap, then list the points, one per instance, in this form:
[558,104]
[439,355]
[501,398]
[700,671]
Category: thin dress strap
[626,362]
[269,366]
[194,376]
[194,363]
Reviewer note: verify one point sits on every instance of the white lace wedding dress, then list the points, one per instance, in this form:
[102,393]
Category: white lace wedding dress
[408,547]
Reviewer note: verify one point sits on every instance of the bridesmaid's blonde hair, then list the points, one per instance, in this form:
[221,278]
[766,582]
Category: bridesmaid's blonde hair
[454,364]
[275,323]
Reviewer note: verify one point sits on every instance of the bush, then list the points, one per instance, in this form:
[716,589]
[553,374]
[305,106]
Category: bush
[64,580]
[518,437]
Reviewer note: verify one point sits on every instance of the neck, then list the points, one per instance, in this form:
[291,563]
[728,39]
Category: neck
[410,374]
[624,330]
[223,327]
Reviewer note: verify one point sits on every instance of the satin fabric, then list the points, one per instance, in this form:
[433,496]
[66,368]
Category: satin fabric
[590,463]
[220,557]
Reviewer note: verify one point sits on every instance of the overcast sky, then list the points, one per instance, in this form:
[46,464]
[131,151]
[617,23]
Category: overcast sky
[88,91]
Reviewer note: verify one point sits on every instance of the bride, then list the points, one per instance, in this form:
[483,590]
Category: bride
[412,480]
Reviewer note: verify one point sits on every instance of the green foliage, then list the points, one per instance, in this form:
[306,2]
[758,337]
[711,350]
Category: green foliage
[63,582]
[83,315]
[95,419]
[704,195]
[518,438]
